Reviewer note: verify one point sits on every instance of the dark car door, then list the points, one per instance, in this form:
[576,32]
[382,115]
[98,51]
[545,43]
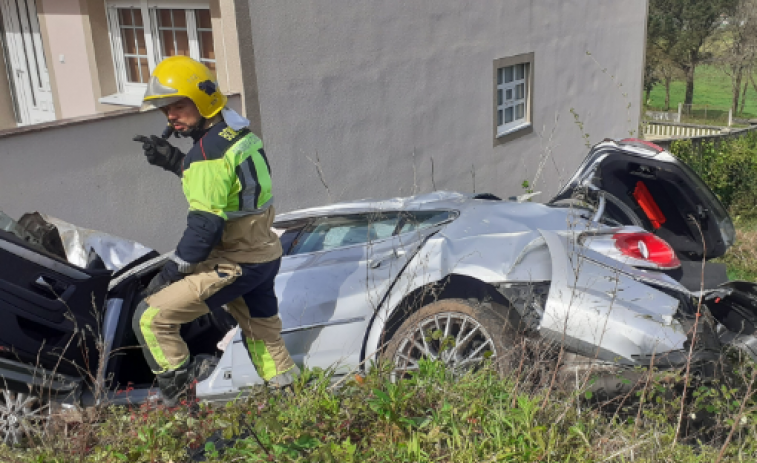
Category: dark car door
[50,308]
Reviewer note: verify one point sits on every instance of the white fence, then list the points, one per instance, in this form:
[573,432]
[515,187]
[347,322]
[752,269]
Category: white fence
[663,116]
[672,130]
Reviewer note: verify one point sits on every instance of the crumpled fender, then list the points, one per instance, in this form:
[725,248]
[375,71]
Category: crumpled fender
[489,258]
[606,312]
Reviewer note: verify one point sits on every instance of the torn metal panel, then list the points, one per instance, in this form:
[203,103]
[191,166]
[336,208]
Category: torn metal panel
[79,242]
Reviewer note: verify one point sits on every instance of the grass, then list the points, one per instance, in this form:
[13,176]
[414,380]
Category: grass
[712,86]
[742,257]
[432,417]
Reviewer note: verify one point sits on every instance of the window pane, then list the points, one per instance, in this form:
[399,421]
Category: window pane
[132,70]
[381,226]
[182,42]
[203,19]
[500,117]
[508,115]
[137,17]
[509,94]
[508,74]
[145,69]
[206,45]
[520,111]
[520,71]
[124,16]
[130,47]
[499,96]
[289,232]
[520,91]
[337,232]
[164,18]
[166,39]
[141,47]
[500,75]
[421,220]
[179,18]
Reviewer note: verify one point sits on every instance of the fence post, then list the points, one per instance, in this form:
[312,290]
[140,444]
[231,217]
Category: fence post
[730,117]
[680,110]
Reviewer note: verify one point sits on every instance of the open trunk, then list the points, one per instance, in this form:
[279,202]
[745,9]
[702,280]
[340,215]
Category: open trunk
[665,195]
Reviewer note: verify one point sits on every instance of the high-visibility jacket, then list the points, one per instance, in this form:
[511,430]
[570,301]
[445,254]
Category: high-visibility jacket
[227,181]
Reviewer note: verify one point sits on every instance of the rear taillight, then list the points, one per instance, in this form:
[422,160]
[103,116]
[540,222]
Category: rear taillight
[647,247]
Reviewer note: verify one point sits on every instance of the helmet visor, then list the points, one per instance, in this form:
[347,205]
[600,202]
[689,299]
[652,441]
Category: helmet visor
[158,95]
[160,102]
[156,89]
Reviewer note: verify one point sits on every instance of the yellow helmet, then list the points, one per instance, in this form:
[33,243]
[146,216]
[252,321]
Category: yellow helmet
[181,77]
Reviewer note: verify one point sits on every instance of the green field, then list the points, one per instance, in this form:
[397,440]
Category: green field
[712,86]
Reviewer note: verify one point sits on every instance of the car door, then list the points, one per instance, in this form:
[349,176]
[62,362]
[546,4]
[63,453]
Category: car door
[50,308]
[337,272]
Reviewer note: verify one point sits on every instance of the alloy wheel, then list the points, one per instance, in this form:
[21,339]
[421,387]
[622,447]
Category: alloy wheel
[456,339]
[21,415]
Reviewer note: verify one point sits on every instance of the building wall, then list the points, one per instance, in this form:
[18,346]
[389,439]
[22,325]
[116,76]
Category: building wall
[92,174]
[64,27]
[226,45]
[375,92]
[95,22]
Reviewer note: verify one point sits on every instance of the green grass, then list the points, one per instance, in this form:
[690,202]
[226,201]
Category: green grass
[434,416]
[712,86]
[741,259]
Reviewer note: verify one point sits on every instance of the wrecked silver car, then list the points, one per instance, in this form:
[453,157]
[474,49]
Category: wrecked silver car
[611,270]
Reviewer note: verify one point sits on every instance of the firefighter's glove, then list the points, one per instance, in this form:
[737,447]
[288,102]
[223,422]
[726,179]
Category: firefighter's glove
[161,153]
[173,271]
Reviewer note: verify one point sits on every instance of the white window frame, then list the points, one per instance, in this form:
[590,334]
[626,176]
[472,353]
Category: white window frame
[130,93]
[510,94]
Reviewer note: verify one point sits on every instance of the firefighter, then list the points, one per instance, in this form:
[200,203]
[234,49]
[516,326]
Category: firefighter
[228,254]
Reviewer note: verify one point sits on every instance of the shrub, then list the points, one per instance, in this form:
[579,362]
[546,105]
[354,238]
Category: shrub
[729,168]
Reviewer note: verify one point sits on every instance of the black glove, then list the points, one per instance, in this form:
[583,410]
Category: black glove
[161,153]
[168,275]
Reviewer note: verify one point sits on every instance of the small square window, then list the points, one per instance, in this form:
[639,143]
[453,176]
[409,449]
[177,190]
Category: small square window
[513,81]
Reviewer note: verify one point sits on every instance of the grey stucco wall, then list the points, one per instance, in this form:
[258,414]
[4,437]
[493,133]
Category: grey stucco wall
[364,84]
[93,175]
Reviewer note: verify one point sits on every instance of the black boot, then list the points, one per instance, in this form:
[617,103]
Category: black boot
[175,384]
[180,383]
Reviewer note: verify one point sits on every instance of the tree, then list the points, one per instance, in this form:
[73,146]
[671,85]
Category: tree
[679,29]
[736,50]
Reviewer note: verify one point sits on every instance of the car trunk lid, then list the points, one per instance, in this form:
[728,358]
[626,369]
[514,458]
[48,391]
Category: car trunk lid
[671,200]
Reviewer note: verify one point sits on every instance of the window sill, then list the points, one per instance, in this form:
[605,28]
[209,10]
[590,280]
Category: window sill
[513,133]
[507,132]
[123,99]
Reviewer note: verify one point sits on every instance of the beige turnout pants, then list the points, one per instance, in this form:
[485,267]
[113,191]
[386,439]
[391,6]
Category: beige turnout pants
[248,293]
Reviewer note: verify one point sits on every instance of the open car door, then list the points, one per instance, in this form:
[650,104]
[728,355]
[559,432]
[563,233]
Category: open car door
[50,309]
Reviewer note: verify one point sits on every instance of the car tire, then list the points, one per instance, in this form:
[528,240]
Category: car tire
[481,331]
[22,416]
